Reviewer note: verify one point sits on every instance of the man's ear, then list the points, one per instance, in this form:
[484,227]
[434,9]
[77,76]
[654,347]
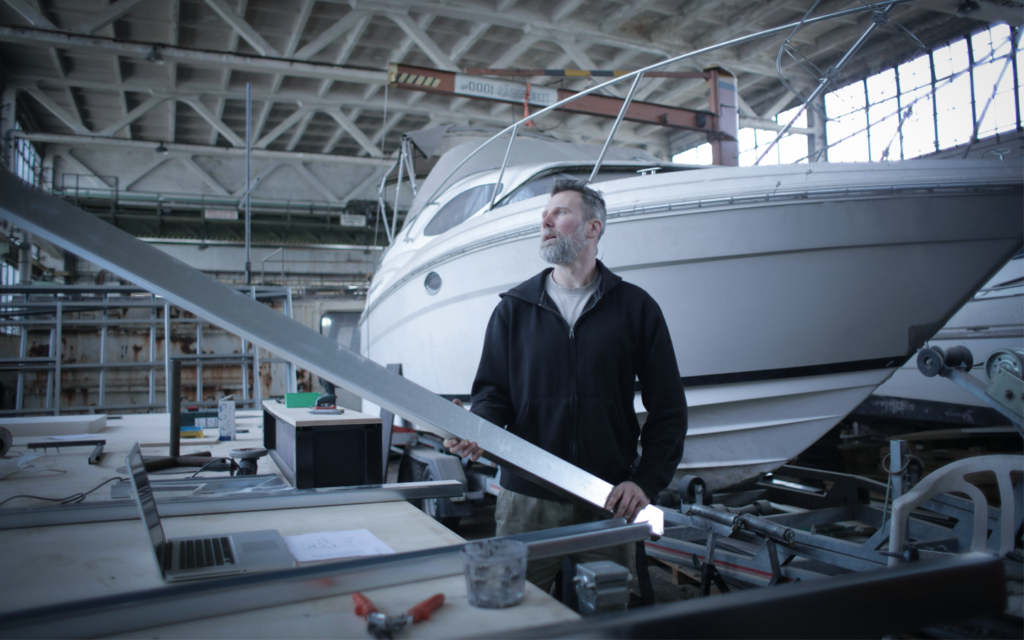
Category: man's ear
[595,229]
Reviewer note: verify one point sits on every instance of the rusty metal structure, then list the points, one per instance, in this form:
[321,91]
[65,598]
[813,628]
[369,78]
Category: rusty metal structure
[108,349]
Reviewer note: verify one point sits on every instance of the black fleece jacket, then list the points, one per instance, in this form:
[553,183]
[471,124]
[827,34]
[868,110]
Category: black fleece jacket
[569,390]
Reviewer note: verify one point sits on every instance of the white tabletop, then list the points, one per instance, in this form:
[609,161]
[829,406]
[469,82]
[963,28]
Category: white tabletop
[49,565]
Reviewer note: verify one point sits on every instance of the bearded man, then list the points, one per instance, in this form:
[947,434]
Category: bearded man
[562,354]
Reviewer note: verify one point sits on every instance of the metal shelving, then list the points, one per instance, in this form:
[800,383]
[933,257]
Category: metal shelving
[53,309]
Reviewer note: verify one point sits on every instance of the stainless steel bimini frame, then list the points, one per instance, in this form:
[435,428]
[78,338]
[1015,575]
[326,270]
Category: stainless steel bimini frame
[635,76]
[110,248]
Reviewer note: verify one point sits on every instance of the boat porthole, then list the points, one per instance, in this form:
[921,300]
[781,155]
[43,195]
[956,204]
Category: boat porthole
[432,283]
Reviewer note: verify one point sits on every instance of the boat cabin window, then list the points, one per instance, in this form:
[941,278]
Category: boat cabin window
[459,209]
[542,184]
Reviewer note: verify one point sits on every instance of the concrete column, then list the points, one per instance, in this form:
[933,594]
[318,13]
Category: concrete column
[8,112]
[816,141]
[25,259]
[723,101]
[46,180]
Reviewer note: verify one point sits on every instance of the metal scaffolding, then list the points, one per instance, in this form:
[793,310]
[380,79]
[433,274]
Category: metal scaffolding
[49,310]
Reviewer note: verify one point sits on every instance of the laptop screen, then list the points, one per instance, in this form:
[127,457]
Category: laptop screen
[147,503]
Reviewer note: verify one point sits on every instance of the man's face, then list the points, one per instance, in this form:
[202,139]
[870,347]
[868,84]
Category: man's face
[563,233]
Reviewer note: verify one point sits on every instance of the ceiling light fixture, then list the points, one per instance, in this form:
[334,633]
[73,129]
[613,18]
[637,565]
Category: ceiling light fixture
[966,8]
[154,56]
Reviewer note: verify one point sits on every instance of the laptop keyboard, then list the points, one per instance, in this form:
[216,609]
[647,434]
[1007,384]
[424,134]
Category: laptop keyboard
[205,552]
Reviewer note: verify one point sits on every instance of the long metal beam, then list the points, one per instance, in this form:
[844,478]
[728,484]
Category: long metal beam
[196,149]
[311,101]
[113,510]
[444,83]
[110,248]
[110,615]
[182,55]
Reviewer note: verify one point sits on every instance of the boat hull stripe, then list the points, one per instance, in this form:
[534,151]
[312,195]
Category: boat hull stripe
[690,382]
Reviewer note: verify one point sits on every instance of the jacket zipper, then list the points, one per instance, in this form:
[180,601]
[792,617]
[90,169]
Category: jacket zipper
[572,351]
[572,379]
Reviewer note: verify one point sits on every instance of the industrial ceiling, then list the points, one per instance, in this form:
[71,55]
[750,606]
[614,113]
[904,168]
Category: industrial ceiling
[99,85]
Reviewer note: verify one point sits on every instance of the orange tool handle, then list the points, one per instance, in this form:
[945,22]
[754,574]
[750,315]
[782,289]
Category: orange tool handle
[423,610]
[364,606]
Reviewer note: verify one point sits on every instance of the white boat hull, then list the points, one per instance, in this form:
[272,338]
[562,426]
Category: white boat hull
[788,302]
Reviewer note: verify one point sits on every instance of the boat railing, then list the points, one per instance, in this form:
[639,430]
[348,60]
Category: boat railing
[881,10]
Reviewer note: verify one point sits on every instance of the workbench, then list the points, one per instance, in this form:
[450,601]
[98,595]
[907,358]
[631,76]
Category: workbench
[52,565]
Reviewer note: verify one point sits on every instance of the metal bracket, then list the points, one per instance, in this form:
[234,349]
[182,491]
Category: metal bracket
[773,558]
[94,458]
[932,361]
[708,571]
[1007,390]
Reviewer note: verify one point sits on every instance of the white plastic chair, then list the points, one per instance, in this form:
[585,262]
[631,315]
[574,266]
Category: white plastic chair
[951,478]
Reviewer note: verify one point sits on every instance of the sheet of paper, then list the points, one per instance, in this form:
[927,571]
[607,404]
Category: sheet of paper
[331,545]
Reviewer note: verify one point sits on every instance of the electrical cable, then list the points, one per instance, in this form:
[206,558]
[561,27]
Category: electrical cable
[234,466]
[72,499]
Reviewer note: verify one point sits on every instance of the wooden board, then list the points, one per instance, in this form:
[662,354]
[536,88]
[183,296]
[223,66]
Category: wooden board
[54,425]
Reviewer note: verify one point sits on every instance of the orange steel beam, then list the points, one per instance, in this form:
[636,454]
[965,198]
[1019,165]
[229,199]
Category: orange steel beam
[452,84]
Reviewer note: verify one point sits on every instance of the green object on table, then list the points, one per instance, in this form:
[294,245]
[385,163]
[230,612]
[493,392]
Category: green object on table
[300,400]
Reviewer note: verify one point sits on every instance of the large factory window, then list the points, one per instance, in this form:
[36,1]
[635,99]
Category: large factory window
[930,103]
[27,164]
[922,106]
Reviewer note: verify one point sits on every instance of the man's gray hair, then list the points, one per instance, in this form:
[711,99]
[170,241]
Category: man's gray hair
[593,203]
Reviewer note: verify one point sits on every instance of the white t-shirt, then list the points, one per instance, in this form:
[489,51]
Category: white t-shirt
[570,301]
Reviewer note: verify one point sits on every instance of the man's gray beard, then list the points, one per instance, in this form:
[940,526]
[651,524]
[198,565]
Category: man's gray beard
[566,247]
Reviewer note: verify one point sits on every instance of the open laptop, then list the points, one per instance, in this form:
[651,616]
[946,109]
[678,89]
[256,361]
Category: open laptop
[214,556]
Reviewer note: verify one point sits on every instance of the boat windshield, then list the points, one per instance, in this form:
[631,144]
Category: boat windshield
[543,183]
[460,208]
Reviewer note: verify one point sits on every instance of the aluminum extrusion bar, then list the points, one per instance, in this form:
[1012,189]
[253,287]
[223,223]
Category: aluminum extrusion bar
[858,605]
[122,613]
[207,485]
[111,510]
[104,245]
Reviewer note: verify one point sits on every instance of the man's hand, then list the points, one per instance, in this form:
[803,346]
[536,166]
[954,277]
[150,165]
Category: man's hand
[463,448]
[626,500]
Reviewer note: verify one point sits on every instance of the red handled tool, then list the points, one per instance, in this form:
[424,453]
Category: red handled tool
[383,626]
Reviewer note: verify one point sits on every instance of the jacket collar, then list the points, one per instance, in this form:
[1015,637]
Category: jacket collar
[533,290]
